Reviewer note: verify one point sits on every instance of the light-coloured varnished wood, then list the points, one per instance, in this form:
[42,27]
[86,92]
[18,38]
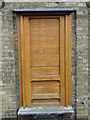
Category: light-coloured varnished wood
[23,60]
[46,102]
[45,87]
[48,77]
[45,96]
[69,61]
[44,44]
[43,17]
[19,57]
[67,56]
[44,36]
[62,59]
[45,71]
[27,61]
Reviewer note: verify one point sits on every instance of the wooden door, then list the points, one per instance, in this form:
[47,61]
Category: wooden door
[45,63]
[44,44]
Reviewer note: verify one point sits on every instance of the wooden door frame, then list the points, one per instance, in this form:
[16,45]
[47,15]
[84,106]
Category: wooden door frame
[65,69]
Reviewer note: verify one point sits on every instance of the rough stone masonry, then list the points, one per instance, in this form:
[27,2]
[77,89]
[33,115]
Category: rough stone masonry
[0,61]
[9,74]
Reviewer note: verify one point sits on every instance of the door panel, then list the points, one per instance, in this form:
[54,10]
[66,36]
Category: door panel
[49,103]
[45,55]
[45,87]
[45,71]
[44,38]
[45,90]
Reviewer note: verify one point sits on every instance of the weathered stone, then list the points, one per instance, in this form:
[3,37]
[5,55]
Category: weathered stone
[9,55]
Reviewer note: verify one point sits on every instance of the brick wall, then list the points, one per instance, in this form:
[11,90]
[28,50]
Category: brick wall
[0,62]
[89,61]
[9,43]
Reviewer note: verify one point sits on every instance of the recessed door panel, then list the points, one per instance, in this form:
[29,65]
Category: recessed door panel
[44,38]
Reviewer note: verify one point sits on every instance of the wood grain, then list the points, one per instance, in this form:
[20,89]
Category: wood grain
[67,56]
[45,87]
[44,71]
[23,61]
[43,17]
[45,55]
[46,96]
[43,103]
[69,61]
[48,78]
[19,57]
[27,61]
[62,59]
[44,34]
[44,49]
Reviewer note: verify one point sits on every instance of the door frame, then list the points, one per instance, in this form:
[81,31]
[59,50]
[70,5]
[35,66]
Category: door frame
[65,65]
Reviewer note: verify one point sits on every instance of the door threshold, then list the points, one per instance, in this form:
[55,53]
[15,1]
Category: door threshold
[45,110]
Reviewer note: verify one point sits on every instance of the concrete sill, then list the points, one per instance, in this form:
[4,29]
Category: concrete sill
[45,110]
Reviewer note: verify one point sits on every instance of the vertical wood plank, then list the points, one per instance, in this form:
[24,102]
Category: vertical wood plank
[66,39]
[62,60]
[69,61]
[23,60]
[19,58]
[27,61]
